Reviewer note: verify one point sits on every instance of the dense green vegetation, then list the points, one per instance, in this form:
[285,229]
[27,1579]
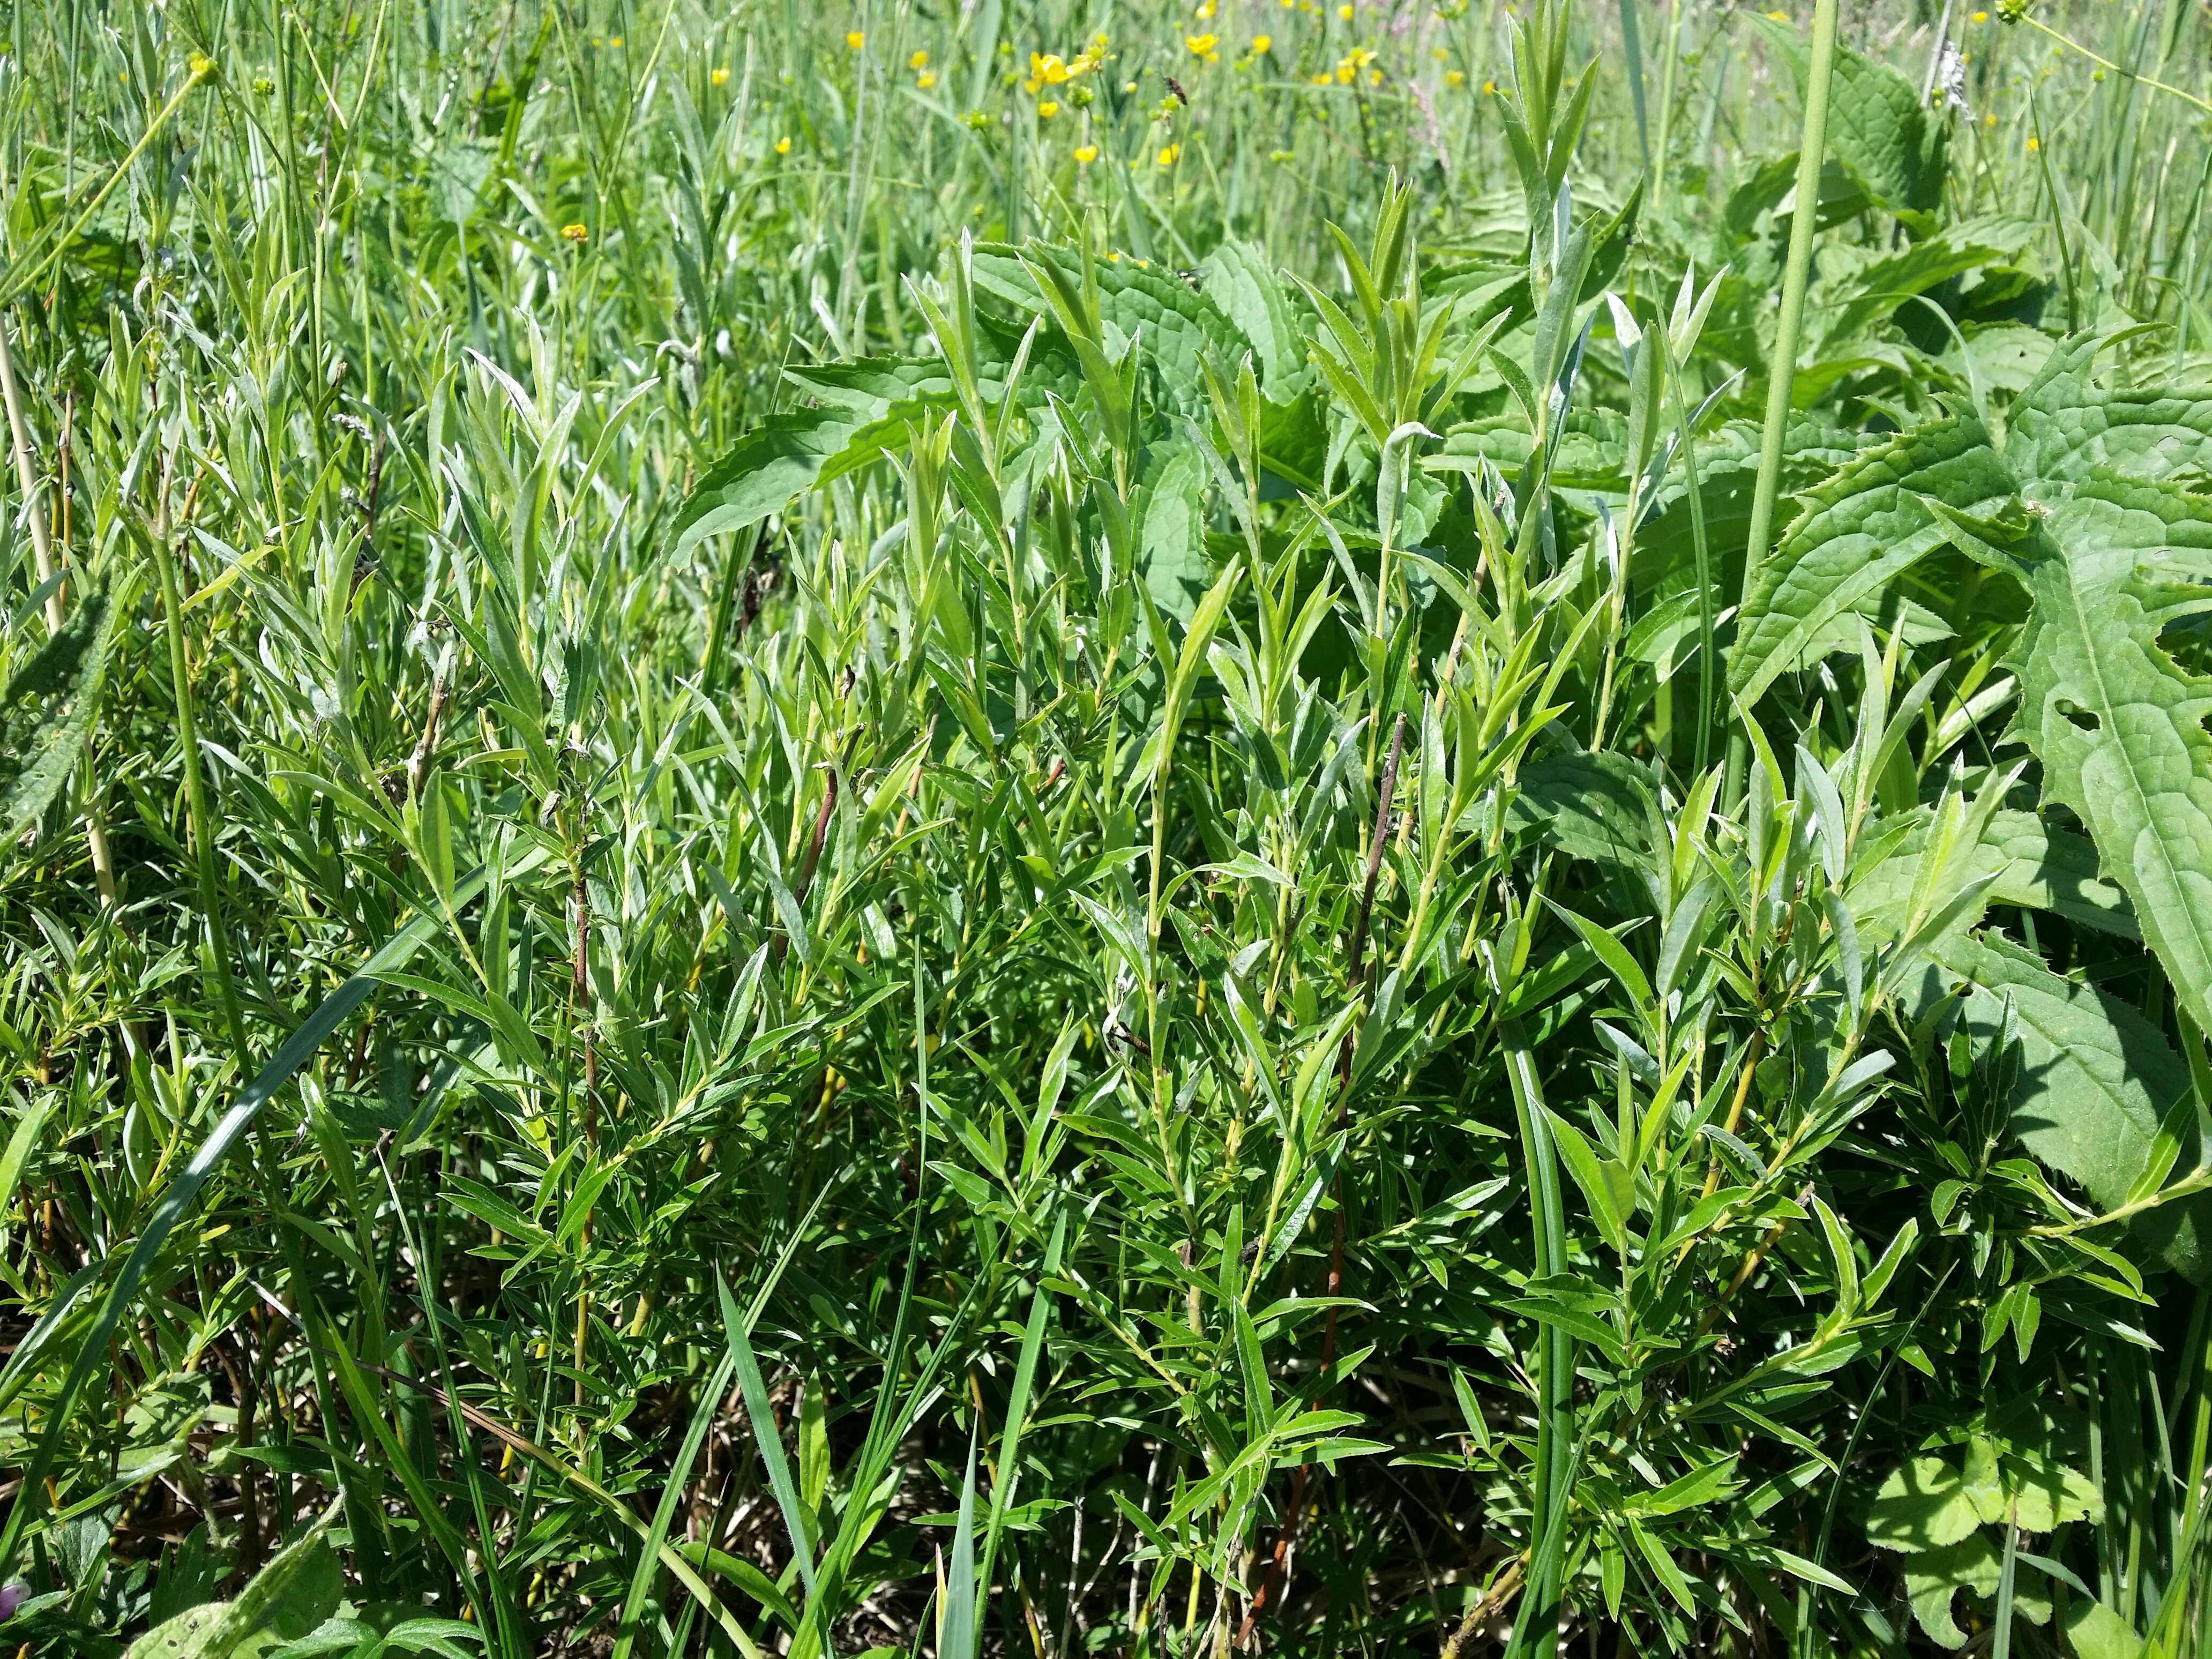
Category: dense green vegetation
[1216,828]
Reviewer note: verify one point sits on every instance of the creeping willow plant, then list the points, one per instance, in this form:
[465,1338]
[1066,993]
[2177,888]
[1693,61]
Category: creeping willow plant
[735,925]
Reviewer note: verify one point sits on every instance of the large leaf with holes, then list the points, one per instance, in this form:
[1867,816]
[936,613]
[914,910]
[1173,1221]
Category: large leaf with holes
[2065,428]
[2094,1080]
[2117,724]
[1856,532]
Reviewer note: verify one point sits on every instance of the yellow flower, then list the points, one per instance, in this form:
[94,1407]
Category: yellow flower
[1345,72]
[1055,70]
[1260,43]
[1200,45]
[1489,88]
[1168,155]
[1086,155]
[1374,77]
[783,147]
[1205,11]
[2033,145]
[1779,16]
[1989,120]
[1455,78]
[1438,53]
[925,80]
[1321,79]
[1981,17]
[855,40]
[919,61]
[614,39]
[1047,110]
[1344,10]
[720,77]
[574,232]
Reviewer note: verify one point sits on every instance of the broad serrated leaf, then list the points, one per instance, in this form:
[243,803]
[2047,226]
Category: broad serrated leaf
[1595,806]
[2065,428]
[1857,532]
[2094,1080]
[2117,724]
[1878,124]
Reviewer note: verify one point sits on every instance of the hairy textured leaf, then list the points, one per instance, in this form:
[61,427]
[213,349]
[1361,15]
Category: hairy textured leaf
[2034,866]
[1878,124]
[47,711]
[2065,428]
[2094,1081]
[1178,323]
[1172,529]
[1859,530]
[1243,288]
[2118,725]
[1590,807]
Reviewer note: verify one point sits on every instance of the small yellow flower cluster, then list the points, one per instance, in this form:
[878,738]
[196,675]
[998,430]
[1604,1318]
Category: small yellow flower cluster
[719,77]
[925,76]
[1170,154]
[1049,69]
[1262,44]
[1349,65]
[1086,155]
[574,234]
[1202,47]
[855,40]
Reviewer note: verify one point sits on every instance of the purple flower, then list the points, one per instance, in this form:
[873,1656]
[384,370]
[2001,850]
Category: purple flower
[13,1594]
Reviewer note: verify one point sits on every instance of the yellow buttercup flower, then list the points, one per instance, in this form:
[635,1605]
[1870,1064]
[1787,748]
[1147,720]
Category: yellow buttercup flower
[614,40]
[783,147]
[1344,10]
[574,232]
[1260,43]
[925,80]
[1086,155]
[919,61]
[1779,16]
[720,77]
[855,40]
[1455,78]
[1981,17]
[1205,11]
[1169,155]
[1047,110]
[1200,45]
[1321,79]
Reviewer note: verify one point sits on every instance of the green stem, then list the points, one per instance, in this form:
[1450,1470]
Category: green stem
[1804,218]
[196,790]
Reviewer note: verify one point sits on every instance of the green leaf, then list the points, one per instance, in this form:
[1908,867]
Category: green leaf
[1878,124]
[2117,724]
[1595,806]
[48,709]
[1923,1505]
[1180,325]
[1171,529]
[1933,1578]
[295,1591]
[1858,530]
[1242,286]
[2093,1082]
[2065,429]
